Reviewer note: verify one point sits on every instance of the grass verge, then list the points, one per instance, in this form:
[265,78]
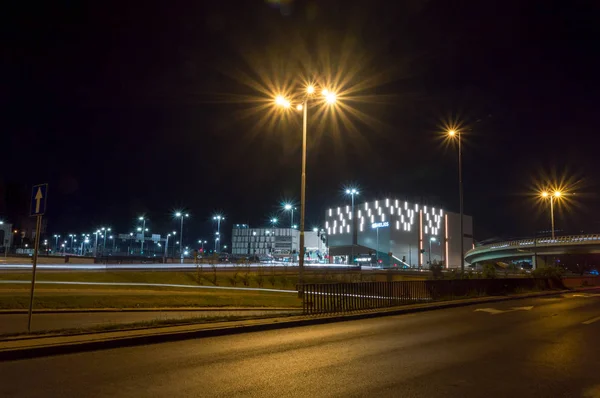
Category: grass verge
[114,298]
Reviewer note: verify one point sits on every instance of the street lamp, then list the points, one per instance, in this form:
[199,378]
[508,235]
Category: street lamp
[218,218]
[330,99]
[182,216]
[554,196]
[202,242]
[96,242]
[456,134]
[290,208]
[273,222]
[56,242]
[71,236]
[352,192]
[143,230]
[105,232]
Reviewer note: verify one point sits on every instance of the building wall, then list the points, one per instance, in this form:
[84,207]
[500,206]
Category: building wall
[264,241]
[404,229]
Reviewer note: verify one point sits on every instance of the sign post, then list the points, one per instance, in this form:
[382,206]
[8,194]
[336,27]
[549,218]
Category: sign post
[39,194]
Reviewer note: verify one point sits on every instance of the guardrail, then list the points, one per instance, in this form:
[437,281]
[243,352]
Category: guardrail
[321,298]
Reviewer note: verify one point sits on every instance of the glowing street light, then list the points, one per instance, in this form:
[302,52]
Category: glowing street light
[352,192]
[456,134]
[181,215]
[218,218]
[556,195]
[330,98]
[290,208]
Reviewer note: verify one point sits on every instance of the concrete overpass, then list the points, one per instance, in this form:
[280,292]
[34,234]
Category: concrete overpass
[535,249]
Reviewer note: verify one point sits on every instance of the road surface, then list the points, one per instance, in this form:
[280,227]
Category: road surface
[17,323]
[544,347]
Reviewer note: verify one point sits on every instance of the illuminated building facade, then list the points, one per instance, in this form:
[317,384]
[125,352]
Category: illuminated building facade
[415,235]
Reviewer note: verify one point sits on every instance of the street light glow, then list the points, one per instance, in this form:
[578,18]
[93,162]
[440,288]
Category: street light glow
[178,214]
[299,107]
[452,133]
[310,89]
[330,98]
[287,206]
[544,194]
[557,194]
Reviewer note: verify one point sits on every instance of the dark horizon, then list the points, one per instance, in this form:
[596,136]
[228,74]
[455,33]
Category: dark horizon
[127,111]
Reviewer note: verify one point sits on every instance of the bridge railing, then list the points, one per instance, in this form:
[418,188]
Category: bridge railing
[539,242]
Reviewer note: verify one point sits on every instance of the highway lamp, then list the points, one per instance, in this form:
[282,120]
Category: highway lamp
[329,98]
[143,230]
[456,134]
[290,208]
[167,245]
[55,242]
[273,222]
[216,244]
[352,192]
[72,236]
[182,216]
[104,232]
[202,242]
[556,195]
[218,218]
[96,243]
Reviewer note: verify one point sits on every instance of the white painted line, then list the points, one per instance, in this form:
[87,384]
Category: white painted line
[596,319]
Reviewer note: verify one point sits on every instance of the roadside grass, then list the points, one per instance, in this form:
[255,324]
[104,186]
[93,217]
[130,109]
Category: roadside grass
[120,298]
[111,327]
[265,277]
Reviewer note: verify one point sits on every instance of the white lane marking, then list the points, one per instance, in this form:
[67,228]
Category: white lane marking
[494,311]
[596,319]
[587,295]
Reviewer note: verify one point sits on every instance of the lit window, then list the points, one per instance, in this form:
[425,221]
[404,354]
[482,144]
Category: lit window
[387,203]
[366,206]
[397,224]
[330,213]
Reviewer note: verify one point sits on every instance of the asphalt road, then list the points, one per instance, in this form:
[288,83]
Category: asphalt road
[17,323]
[545,347]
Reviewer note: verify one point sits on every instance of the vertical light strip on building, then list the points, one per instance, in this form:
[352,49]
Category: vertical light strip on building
[420,238]
[446,238]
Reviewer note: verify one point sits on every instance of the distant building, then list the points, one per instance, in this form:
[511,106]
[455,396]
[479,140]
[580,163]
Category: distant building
[396,233]
[275,243]
[6,236]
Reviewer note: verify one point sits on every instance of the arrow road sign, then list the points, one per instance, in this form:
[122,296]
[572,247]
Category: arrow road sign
[39,194]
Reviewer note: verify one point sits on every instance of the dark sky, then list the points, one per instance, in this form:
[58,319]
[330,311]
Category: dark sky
[128,108]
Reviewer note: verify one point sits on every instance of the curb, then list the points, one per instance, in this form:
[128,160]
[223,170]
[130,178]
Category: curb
[203,331]
[169,309]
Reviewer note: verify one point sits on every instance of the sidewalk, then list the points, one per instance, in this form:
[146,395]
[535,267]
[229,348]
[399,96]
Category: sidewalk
[35,346]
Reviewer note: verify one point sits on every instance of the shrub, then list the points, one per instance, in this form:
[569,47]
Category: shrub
[246,276]
[489,271]
[436,269]
[260,277]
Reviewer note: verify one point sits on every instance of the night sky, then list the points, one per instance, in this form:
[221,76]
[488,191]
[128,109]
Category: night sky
[129,108]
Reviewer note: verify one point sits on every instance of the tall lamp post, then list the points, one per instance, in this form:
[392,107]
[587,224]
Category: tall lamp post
[167,245]
[330,98]
[554,196]
[105,232]
[291,209]
[72,236]
[452,134]
[352,192]
[218,218]
[182,216]
[202,242]
[56,242]
[143,231]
